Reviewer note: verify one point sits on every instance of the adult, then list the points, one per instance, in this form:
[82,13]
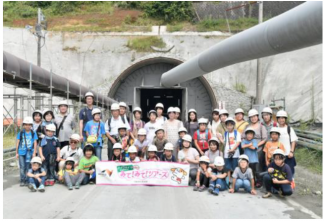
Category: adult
[65,122]
[288,138]
[268,122]
[85,116]
[221,129]
[191,124]
[241,124]
[72,150]
[178,113]
[136,123]
[123,114]
[171,127]
[160,118]
[215,122]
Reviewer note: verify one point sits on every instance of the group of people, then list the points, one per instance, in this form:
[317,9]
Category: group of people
[224,153]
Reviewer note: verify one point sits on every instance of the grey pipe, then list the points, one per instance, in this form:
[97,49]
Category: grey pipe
[295,29]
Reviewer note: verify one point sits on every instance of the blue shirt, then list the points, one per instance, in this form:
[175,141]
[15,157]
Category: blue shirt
[22,149]
[86,116]
[50,147]
[34,172]
[252,154]
[92,128]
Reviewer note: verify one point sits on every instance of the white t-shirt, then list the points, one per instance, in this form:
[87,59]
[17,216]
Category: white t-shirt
[151,128]
[113,128]
[160,121]
[232,142]
[284,138]
[213,127]
[67,151]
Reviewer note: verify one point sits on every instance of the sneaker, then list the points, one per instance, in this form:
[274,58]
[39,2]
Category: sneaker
[77,186]
[70,187]
[281,194]
[32,187]
[196,188]
[22,184]
[91,182]
[210,190]
[41,188]
[47,183]
[52,182]
[267,195]
[202,188]
[216,191]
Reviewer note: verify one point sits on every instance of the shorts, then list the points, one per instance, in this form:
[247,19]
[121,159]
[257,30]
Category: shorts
[231,163]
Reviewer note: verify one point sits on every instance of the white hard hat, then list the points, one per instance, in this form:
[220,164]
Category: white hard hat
[243,157]
[249,129]
[136,109]
[177,110]
[75,137]
[170,109]
[275,130]
[89,94]
[182,129]
[278,152]
[187,137]
[230,119]
[121,126]
[37,112]
[115,106]
[64,102]
[95,111]
[159,105]
[169,146]
[267,110]
[117,146]
[203,121]
[48,111]
[252,113]
[142,131]
[28,120]
[36,160]
[152,148]
[132,149]
[122,104]
[192,110]
[159,128]
[223,111]
[239,110]
[152,111]
[214,139]
[50,127]
[216,110]
[204,159]
[219,161]
[69,159]
[282,113]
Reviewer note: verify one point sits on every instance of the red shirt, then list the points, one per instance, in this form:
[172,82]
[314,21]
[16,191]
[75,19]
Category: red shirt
[203,140]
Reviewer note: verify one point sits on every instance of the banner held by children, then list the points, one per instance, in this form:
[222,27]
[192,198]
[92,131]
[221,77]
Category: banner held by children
[142,173]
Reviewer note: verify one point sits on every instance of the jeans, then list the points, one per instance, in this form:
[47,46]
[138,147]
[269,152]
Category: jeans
[49,165]
[231,163]
[23,167]
[246,184]
[86,179]
[268,183]
[35,181]
[98,152]
[73,180]
[221,183]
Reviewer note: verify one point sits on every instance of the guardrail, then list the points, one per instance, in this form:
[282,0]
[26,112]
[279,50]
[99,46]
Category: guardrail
[308,139]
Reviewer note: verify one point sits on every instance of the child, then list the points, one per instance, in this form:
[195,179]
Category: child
[26,148]
[202,175]
[133,155]
[118,156]
[181,132]
[37,124]
[48,116]
[221,129]
[50,153]
[279,177]
[168,153]
[36,175]
[95,129]
[136,123]
[152,153]
[250,146]
[213,151]
[151,126]
[70,175]
[218,176]
[213,125]
[201,136]
[87,165]
[243,177]
[231,142]
[272,145]
[160,141]
[122,137]
[141,143]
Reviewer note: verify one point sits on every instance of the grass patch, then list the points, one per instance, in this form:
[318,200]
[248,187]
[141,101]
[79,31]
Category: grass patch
[175,28]
[9,141]
[310,159]
[240,87]
[74,48]
[143,44]
[221,24]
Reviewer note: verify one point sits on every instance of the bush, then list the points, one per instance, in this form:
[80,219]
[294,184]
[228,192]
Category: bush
[143,44]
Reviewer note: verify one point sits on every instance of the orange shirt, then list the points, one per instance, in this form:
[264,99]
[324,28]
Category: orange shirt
[270,147]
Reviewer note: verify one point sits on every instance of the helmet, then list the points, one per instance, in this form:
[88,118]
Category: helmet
[51,127]
[169,146]
[214,139]
[249,129]
[230,119]
[64,102]
[36,160]
[122,104]
[136,109]
[142,131]
[160,105]
[192,110]
[239,110]
[204,159]
[89,94]
[152,148]
[219,161]
[187,137]
[182,129]
[216,110]
[153,111]
[203,121]
[252,113]
[95,111]
[28,120]
[117,146]
[132,149]
[69,159]
[170,109]
[37,112]
[115,106]
[158,129]
[121,126]
[275,130]
[177,110]
[278,152]
[243,157]
[75,137]
[267,110]
[88,147]
[223,111]
[46,111]
[282,113]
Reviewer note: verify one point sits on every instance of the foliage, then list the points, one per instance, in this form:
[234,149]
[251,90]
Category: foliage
[143,44]
[310,159]
[221,24]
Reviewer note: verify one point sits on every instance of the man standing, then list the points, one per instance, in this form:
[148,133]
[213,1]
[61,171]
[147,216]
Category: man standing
[85,116]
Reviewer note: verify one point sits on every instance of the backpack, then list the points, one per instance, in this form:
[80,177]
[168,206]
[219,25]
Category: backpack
[206,135]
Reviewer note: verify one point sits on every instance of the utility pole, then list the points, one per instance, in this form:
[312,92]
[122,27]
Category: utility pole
[259,73]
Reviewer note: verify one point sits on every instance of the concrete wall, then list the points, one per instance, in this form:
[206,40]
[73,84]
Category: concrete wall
[96,59]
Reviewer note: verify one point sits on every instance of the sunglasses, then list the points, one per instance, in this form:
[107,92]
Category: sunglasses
[74,142]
